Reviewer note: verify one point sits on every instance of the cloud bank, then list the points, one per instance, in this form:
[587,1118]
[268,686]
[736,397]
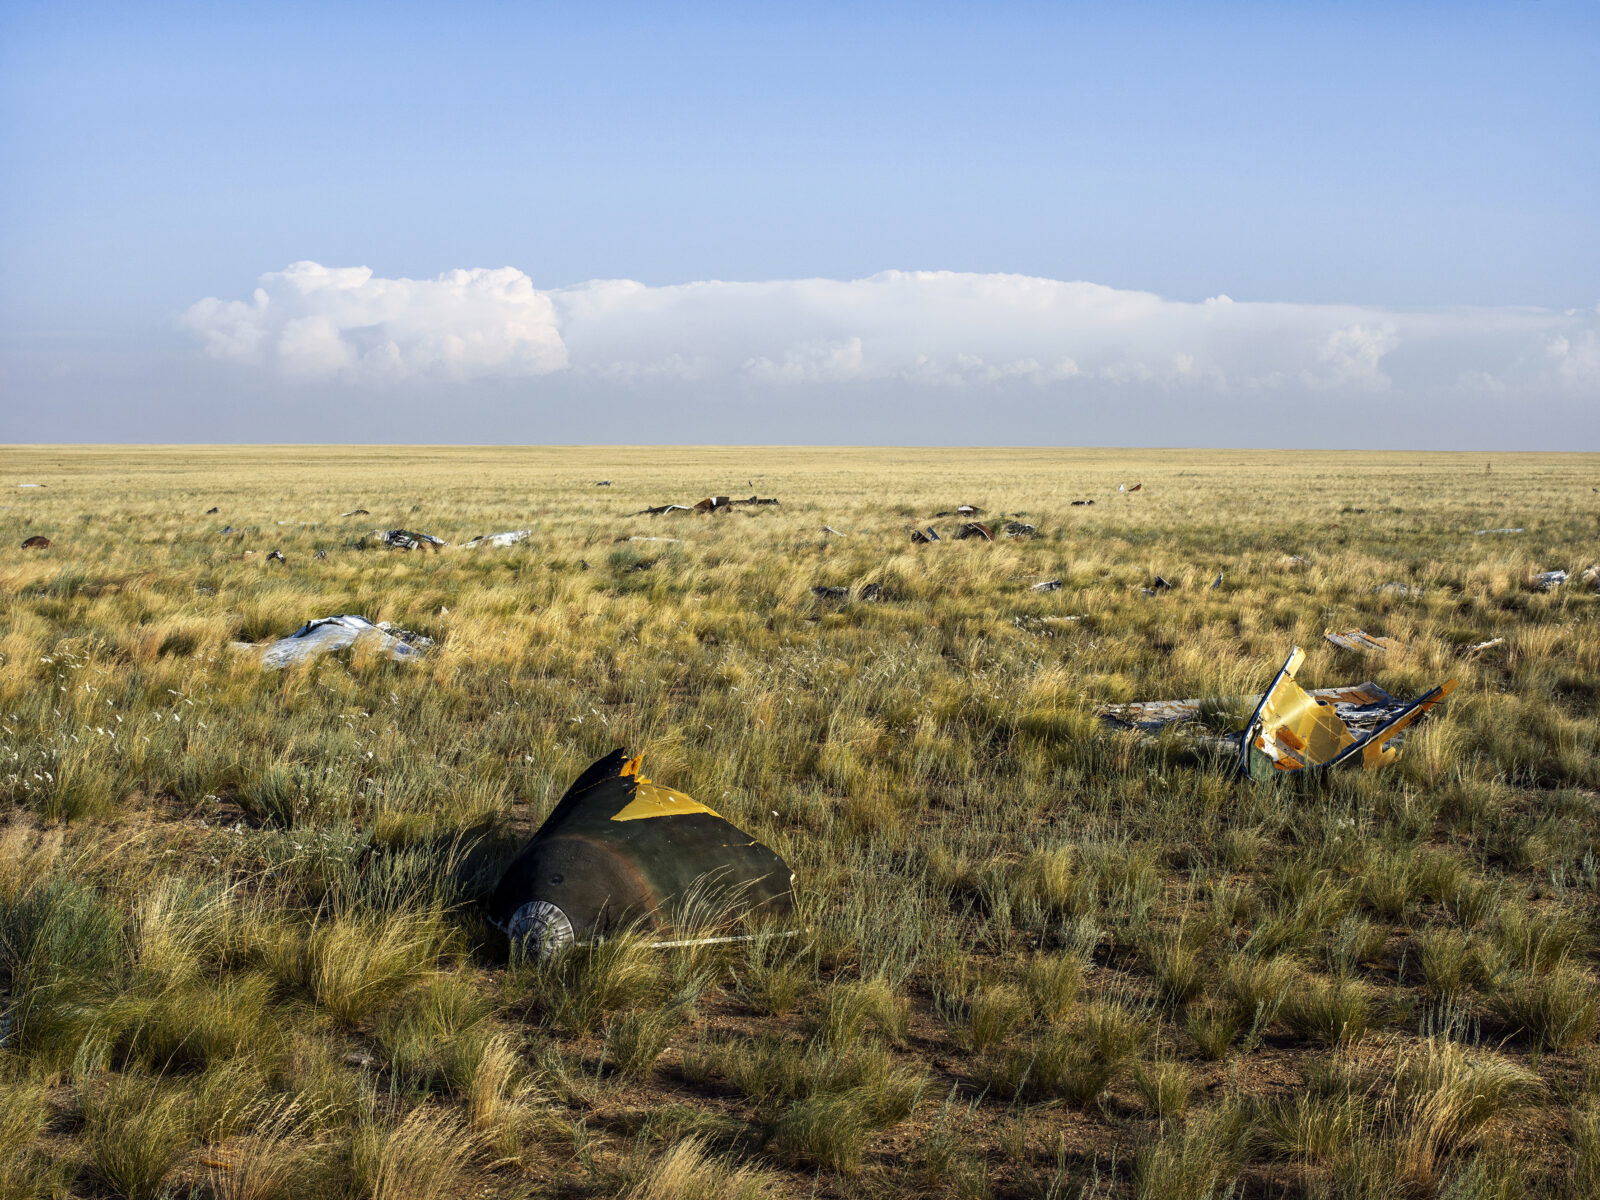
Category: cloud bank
[922,332]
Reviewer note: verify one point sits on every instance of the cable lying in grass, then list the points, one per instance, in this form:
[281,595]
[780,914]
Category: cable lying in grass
[619,850]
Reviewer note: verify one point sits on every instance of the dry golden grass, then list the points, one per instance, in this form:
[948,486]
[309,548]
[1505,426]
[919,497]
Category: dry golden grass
[239,948]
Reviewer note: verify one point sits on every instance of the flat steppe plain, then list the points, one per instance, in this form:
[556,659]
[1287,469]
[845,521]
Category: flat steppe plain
[239,942]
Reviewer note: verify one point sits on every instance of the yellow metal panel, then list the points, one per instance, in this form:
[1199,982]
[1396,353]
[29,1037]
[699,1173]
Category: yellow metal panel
[653,800]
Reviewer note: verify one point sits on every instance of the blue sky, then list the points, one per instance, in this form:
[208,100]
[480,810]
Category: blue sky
[1358,163]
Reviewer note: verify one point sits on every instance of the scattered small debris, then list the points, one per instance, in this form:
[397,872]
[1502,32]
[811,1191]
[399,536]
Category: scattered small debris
[1049,585]
[1136,487]
[832,530]
[320,554]
[1044,626]
[498,539]
[1481,532]
[406,539]
[339,633]
[1161,584]
[1548,581]
[1362,642]
[212,509]
[37,542]
[356,512]
[1217,582]
[712,504]
[973,529]
[922,536]
[602,483]
[32,485]
[619,849]
[1294,560]
[277,556]
[1395,588]
[1020,529]
[867,591]
[1081,503]
[228,529]
[1474,650]
[961,510]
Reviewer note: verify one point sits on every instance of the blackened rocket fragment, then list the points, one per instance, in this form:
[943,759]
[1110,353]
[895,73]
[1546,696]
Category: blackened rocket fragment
[618,850]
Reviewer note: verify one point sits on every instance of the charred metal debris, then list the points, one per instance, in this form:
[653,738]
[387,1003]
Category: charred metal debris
[620,852]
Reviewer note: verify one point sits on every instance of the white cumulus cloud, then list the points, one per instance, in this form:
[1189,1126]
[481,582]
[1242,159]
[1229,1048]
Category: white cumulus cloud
[912,329]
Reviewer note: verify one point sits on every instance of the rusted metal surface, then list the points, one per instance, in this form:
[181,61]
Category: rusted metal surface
[619,849]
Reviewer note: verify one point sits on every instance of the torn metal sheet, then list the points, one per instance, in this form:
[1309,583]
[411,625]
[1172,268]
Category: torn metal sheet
[923,536]
[1048,585]
[1371,719]
[1362,642]
[499,539]
[1547,581]
[1479,647]
[1017,529]
[408,539]
[322,636]
[1481,532]
[974,529]
[1293,730]
[37,542]
[620,850]
[660,509]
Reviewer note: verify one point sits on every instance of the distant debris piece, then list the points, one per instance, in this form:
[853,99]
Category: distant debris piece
[1590,574]
[659,509]
[639,537]
[498,539]
[277,556]
[1136,487]
[1294,560]
[320,554]
[32,485]
[1161,584]
[754,500]
[408,539]
[1081,503]
[961,510]
[37,542]
[356,512]
[1548,581]
[1474,650]
[321,636]
[712,504]
[1217,582]
[922,536]
[1481,532]
[227,529]
[1020,529]
[973,529]
[602,483]
[1049,585]
[1395,588]
[619,851]
[1045,626]
[212,509]
[832,530]
[1362,642]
